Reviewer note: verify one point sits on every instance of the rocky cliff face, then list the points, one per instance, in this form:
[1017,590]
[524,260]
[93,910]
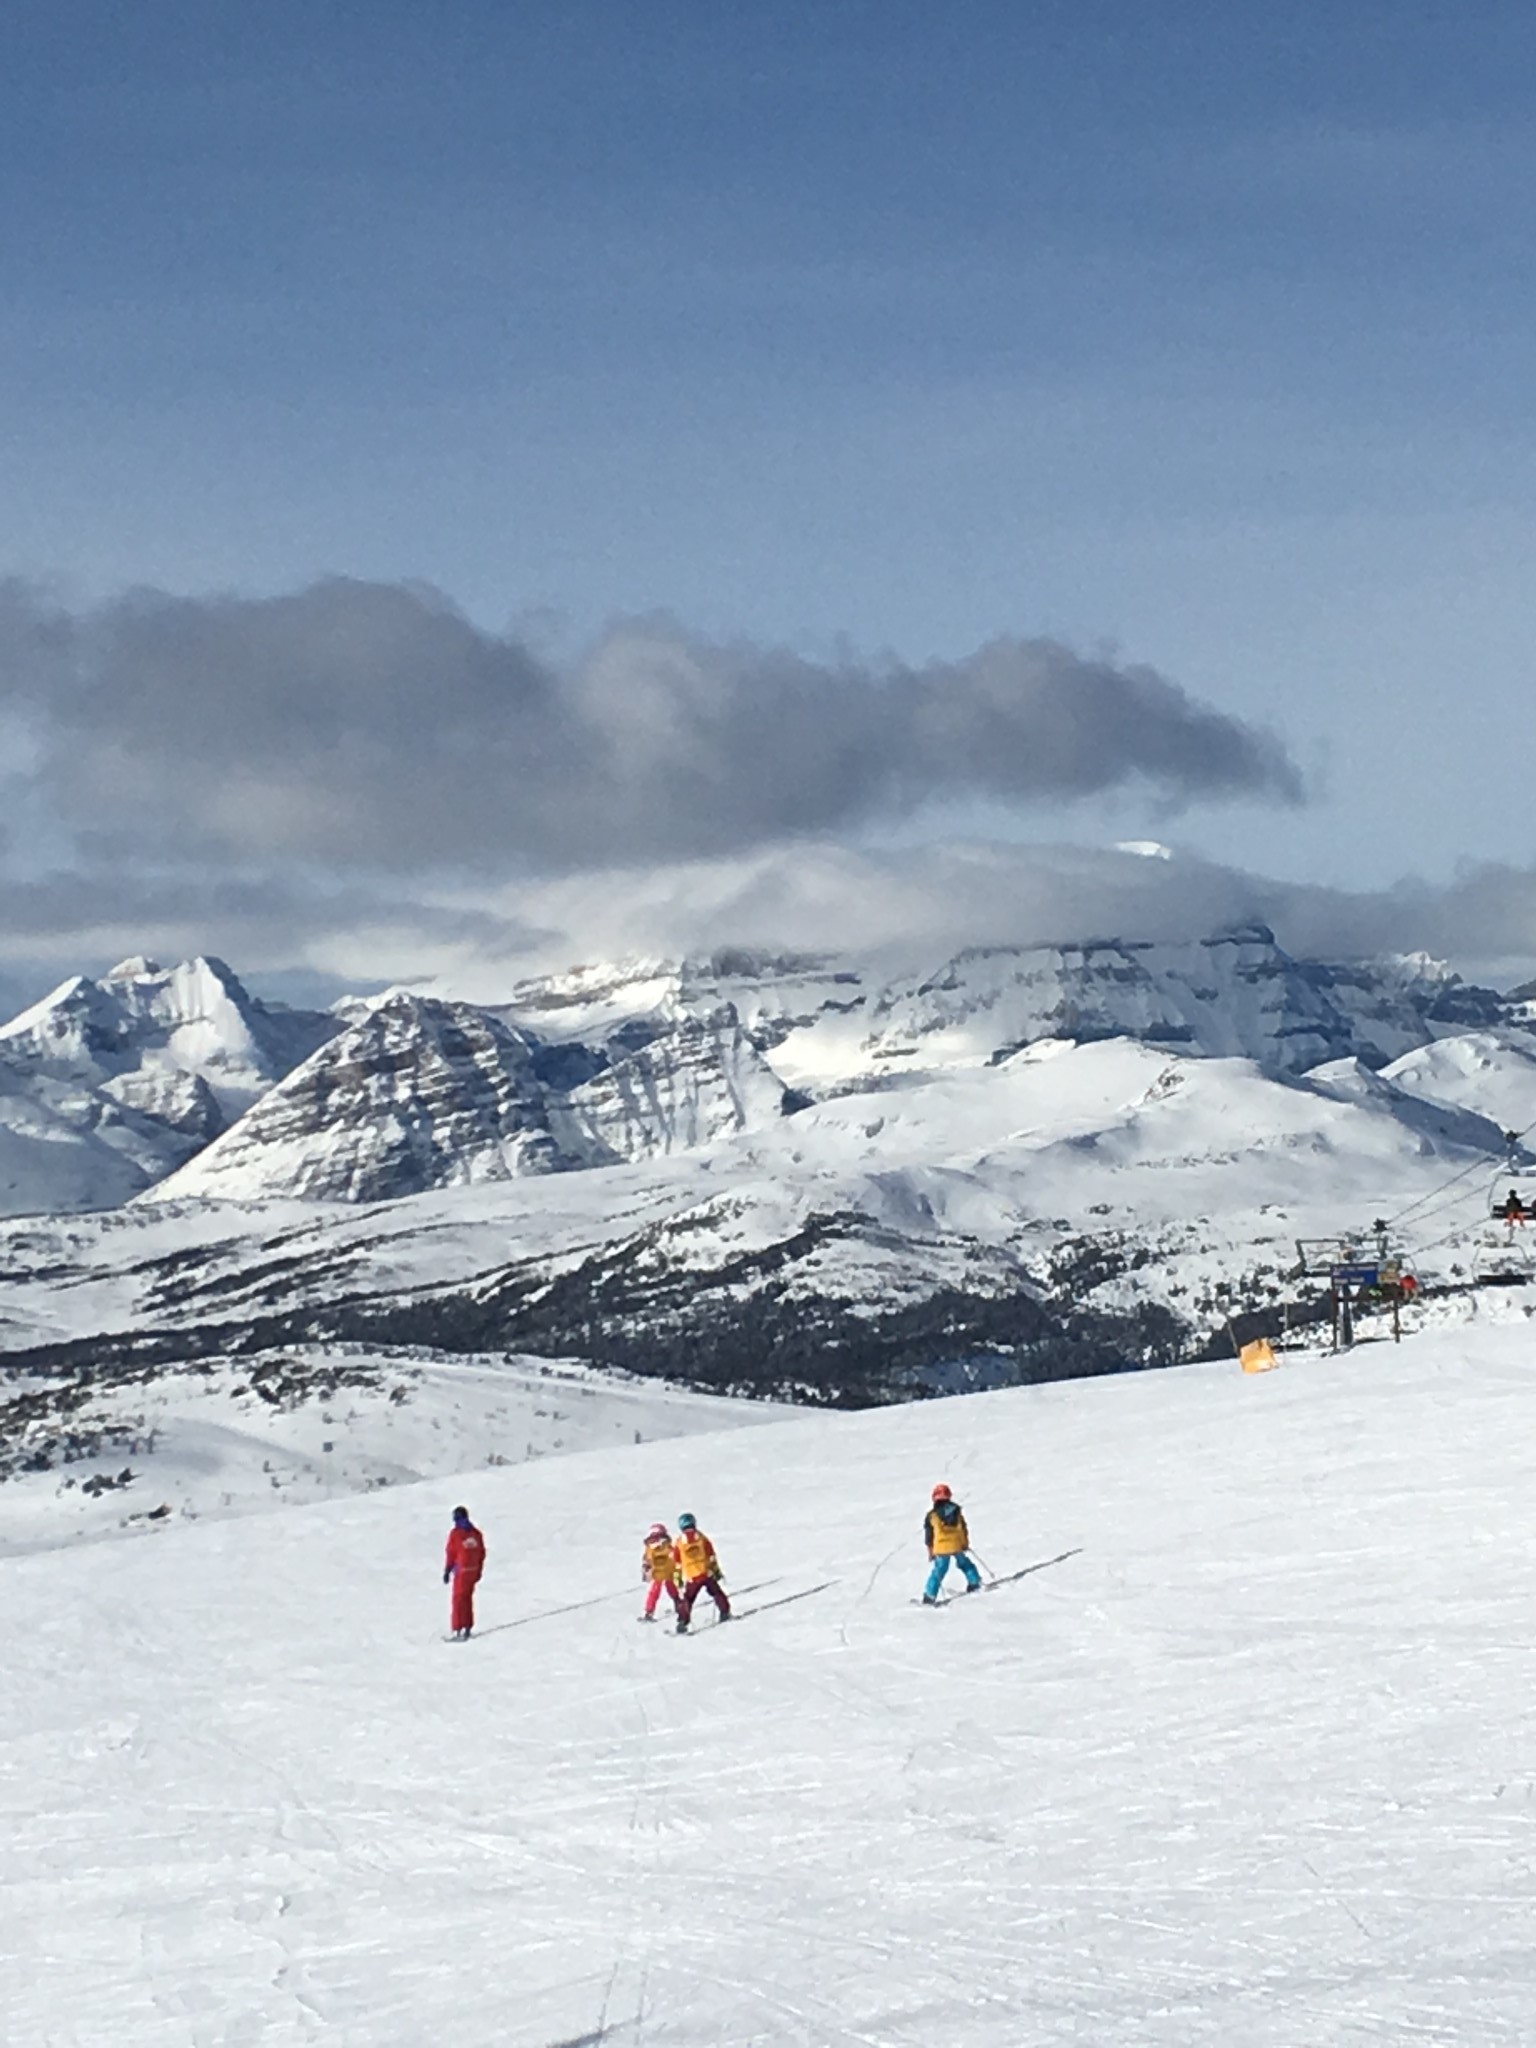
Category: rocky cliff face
[1237,994]
[418,1094]
[422,1094]
[703,1079]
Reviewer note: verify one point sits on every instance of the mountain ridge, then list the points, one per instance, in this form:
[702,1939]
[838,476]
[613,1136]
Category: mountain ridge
[169,1083]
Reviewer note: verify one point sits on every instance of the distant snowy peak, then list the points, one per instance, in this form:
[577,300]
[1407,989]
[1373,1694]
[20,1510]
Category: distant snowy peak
[180,1072]
[111,1084]
[829,1023]
[1235,994]
[195,1019]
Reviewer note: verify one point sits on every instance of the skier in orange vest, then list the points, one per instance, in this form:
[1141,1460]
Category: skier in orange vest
[700,1568]
[658,1568]
[463,1563]
[949,1542]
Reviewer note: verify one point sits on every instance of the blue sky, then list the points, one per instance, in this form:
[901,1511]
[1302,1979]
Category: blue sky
[1191,336]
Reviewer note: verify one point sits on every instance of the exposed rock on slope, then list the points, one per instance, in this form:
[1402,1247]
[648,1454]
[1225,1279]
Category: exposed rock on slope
[699,1081]
[420,1094]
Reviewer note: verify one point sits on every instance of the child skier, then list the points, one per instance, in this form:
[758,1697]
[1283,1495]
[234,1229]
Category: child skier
[949,1542]
[658,1568]
[700,1570]
[463,1564]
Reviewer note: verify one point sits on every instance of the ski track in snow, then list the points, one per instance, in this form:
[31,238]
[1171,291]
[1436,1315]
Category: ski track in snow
[1255,1769]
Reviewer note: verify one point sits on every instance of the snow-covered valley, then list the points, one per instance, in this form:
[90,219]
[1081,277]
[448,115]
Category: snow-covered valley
[1247,1761]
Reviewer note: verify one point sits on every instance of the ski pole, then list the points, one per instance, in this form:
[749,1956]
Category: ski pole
[983,1562]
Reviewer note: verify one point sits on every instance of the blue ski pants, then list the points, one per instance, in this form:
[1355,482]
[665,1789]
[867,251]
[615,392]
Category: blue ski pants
[941,1567]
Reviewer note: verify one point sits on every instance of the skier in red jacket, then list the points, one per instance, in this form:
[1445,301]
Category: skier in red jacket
[462,1565]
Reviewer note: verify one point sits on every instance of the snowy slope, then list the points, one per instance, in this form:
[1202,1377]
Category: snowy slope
[257,1433]
[1252,1769]
[64,1146]
[1493,1072]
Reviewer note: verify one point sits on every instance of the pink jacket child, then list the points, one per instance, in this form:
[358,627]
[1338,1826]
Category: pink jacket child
[462,1566]
[658,1568]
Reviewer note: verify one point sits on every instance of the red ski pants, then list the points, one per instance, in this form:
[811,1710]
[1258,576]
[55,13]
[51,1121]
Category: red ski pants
[463,1600]
[655,1594]
[709,1584]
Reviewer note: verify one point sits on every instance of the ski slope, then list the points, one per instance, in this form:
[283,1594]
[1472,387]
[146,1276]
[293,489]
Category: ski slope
[1256,1768]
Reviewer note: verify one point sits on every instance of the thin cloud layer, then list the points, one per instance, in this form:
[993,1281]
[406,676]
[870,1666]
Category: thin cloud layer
[373,727]
[913,907]
[924,904]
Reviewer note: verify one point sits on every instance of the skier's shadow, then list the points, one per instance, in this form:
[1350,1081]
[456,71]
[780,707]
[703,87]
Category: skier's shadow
[548,1614]
[1044,1565]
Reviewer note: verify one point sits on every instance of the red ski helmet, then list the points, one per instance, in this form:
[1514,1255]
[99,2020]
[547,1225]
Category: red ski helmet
[942,1492]
[657,1531]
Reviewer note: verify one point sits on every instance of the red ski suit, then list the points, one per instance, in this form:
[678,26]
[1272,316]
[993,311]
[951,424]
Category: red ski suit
[465,1559]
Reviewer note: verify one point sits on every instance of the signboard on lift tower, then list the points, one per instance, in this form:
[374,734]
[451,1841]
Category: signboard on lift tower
[1355,1276]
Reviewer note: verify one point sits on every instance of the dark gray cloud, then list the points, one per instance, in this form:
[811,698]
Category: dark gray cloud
[369,726]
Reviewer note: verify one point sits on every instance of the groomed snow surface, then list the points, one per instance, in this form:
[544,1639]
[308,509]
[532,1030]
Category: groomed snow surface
[1256,1767]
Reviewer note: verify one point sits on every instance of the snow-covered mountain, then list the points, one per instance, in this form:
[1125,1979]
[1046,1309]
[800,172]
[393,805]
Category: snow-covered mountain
[115,1085]
[106,1086]
[144,1028]
[416,1094]
[791,1178]
[1075,1209]
[828,1024]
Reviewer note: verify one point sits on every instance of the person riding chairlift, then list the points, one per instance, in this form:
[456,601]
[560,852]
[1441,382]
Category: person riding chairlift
[1513,1209]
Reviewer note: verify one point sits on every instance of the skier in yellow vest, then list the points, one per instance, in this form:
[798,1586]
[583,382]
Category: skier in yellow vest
[949,1542]
[700,1569]
[658,1568]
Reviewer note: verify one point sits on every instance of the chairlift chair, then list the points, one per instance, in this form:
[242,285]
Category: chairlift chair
[1512,1199]
[1505,1254]
[1504,1258]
